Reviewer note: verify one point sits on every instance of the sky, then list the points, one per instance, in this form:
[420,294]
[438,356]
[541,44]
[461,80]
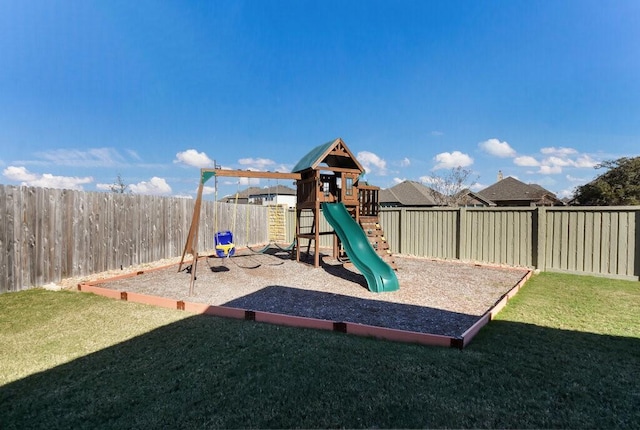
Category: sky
[152,91]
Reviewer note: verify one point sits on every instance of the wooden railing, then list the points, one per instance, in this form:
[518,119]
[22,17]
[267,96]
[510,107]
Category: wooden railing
[368,196]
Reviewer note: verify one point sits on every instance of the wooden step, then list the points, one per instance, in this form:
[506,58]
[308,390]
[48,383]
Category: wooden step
[376,237]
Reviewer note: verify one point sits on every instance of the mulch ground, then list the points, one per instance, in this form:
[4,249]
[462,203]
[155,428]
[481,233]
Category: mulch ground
[436,297]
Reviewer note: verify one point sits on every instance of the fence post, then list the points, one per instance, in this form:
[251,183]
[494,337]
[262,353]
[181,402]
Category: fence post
[401,232]
[462,234]
[539,233]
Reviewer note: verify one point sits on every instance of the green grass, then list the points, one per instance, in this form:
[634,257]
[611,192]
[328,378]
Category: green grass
[564,353]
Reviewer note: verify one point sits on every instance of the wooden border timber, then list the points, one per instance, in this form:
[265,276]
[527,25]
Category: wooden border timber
[472,331]
[356,329]
[364,330]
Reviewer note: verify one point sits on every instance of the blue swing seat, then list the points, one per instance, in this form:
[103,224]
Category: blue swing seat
[224,244]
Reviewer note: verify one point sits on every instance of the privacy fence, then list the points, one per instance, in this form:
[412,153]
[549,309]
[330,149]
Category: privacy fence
[47,235]
[584,240]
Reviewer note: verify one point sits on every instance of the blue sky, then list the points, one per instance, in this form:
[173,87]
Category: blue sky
[154,90]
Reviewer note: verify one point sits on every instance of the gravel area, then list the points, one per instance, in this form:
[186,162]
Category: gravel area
[437,297]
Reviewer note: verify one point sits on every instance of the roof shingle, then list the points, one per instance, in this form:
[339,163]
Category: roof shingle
[408,193]
[511,189]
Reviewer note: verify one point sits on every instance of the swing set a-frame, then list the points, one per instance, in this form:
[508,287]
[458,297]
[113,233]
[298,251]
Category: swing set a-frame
[191,247]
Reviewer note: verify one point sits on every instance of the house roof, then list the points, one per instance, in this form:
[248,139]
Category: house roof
[511,189]
[334,154]
[261,191]
[408,193]
[467,196]
[275,190]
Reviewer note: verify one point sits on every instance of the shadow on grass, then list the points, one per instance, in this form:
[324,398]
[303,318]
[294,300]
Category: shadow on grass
[206,372]
[341,308]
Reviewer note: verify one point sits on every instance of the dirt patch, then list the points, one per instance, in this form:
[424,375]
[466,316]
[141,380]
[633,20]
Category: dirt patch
[435,297]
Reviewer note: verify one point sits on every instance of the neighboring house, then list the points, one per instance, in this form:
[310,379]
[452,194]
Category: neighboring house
[407,193]
[468,198]
[268,196]
[512,192]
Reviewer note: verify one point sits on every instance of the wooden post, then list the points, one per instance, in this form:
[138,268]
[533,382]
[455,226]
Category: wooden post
[462,234]
[192,239]
[316,228]
[539,234]
[401,233]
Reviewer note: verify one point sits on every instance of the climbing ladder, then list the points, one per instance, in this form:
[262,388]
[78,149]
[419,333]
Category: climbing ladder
[373,230]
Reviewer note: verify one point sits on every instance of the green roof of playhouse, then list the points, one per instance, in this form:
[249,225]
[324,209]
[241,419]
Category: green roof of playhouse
[321,153]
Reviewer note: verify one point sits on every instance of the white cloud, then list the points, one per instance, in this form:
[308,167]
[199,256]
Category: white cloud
[256,163]
[567,192]
[104,187]
[191,157]
[437,133]
[525,161]
[430,180]
[405,162]
[556,161]
[497,148]
[476,186]
[397,181]
[551,150]
[155,186]
[372,163]
[93,157]
[133,154]
[16,173]
[46,180]
[585,161]
[450,160]
[283,168]
[249,181]
[207,190]
[550,170]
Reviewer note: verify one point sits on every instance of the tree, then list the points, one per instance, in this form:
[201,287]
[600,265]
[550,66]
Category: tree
[446,190]
[619,186]
[119,186]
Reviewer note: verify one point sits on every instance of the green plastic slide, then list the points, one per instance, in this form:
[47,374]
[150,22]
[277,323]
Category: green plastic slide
[379,275]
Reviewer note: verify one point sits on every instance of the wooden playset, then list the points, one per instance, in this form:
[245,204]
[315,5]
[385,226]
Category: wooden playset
[328,174]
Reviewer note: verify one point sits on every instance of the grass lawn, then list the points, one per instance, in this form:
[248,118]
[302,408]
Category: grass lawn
[565,353]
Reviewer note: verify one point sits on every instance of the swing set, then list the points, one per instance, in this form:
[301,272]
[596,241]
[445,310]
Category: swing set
[224,243]
[224,240]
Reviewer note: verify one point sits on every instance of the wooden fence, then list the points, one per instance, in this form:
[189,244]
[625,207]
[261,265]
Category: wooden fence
[47,234]
[601,240]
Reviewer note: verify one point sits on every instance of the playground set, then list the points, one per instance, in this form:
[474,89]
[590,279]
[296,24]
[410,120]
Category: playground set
[328,182]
